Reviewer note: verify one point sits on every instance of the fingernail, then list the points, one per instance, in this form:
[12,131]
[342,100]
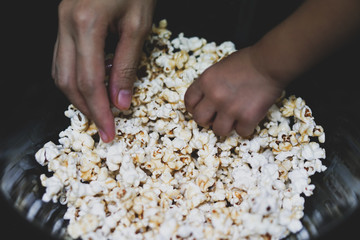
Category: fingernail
[124,99]
[103,136]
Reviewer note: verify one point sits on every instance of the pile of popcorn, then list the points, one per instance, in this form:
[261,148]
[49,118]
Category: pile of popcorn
[164,177]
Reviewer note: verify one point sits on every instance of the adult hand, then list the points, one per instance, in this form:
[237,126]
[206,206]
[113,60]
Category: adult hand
[78,61]
[232,94]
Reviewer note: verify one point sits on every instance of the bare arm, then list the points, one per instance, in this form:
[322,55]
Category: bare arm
[236,92]
[313,31]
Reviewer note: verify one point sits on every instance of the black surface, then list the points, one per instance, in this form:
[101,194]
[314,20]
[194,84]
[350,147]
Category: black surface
[29,98]
[28,37]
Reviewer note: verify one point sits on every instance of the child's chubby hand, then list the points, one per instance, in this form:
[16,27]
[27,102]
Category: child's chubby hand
[234,93]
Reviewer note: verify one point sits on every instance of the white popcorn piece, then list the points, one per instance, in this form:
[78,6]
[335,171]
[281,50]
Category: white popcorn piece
[164,177]
[47,153]
[53,186]
[188,44]
[312,151]
[84,225]
[181,58]
[170,96]
[193,194]
[225,49]
[299,180]
[243,177]
[219,194]
[79,121]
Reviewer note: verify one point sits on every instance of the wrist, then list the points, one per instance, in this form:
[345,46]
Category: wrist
[270,67]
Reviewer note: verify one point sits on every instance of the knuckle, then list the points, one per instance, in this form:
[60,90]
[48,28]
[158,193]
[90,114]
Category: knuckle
[218,95]
[83,16]
[128,73]
[212,89]
[136,27]
[126,76]
[86,87]
[62,83]
[205,78]
[62,79]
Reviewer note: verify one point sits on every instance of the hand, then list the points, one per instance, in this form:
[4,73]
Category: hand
[78,62]
[232,94]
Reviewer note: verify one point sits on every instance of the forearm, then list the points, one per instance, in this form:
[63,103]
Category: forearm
[309,34]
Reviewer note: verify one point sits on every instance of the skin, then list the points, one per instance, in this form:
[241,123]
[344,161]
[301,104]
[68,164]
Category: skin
[241,98]
[234,93]
[78,63]
[237,92]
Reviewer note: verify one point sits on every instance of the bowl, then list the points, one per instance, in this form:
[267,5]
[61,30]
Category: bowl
[33,115]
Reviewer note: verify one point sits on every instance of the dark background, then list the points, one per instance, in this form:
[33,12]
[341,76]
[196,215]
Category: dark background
[27,90]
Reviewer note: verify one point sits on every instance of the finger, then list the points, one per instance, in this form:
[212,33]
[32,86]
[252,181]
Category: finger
[133,28]
[248,117]
[193,96]
[204,112]
[123,72]
[90,81]
[223,124]
[64,74]
[244,129]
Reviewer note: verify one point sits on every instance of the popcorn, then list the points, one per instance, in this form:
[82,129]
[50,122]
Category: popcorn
[164,177]
[86,223]
[79,121]
[49,152]
[53,187]
[225,49]
[170,96]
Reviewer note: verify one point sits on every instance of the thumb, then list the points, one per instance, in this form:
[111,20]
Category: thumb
[123,72]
